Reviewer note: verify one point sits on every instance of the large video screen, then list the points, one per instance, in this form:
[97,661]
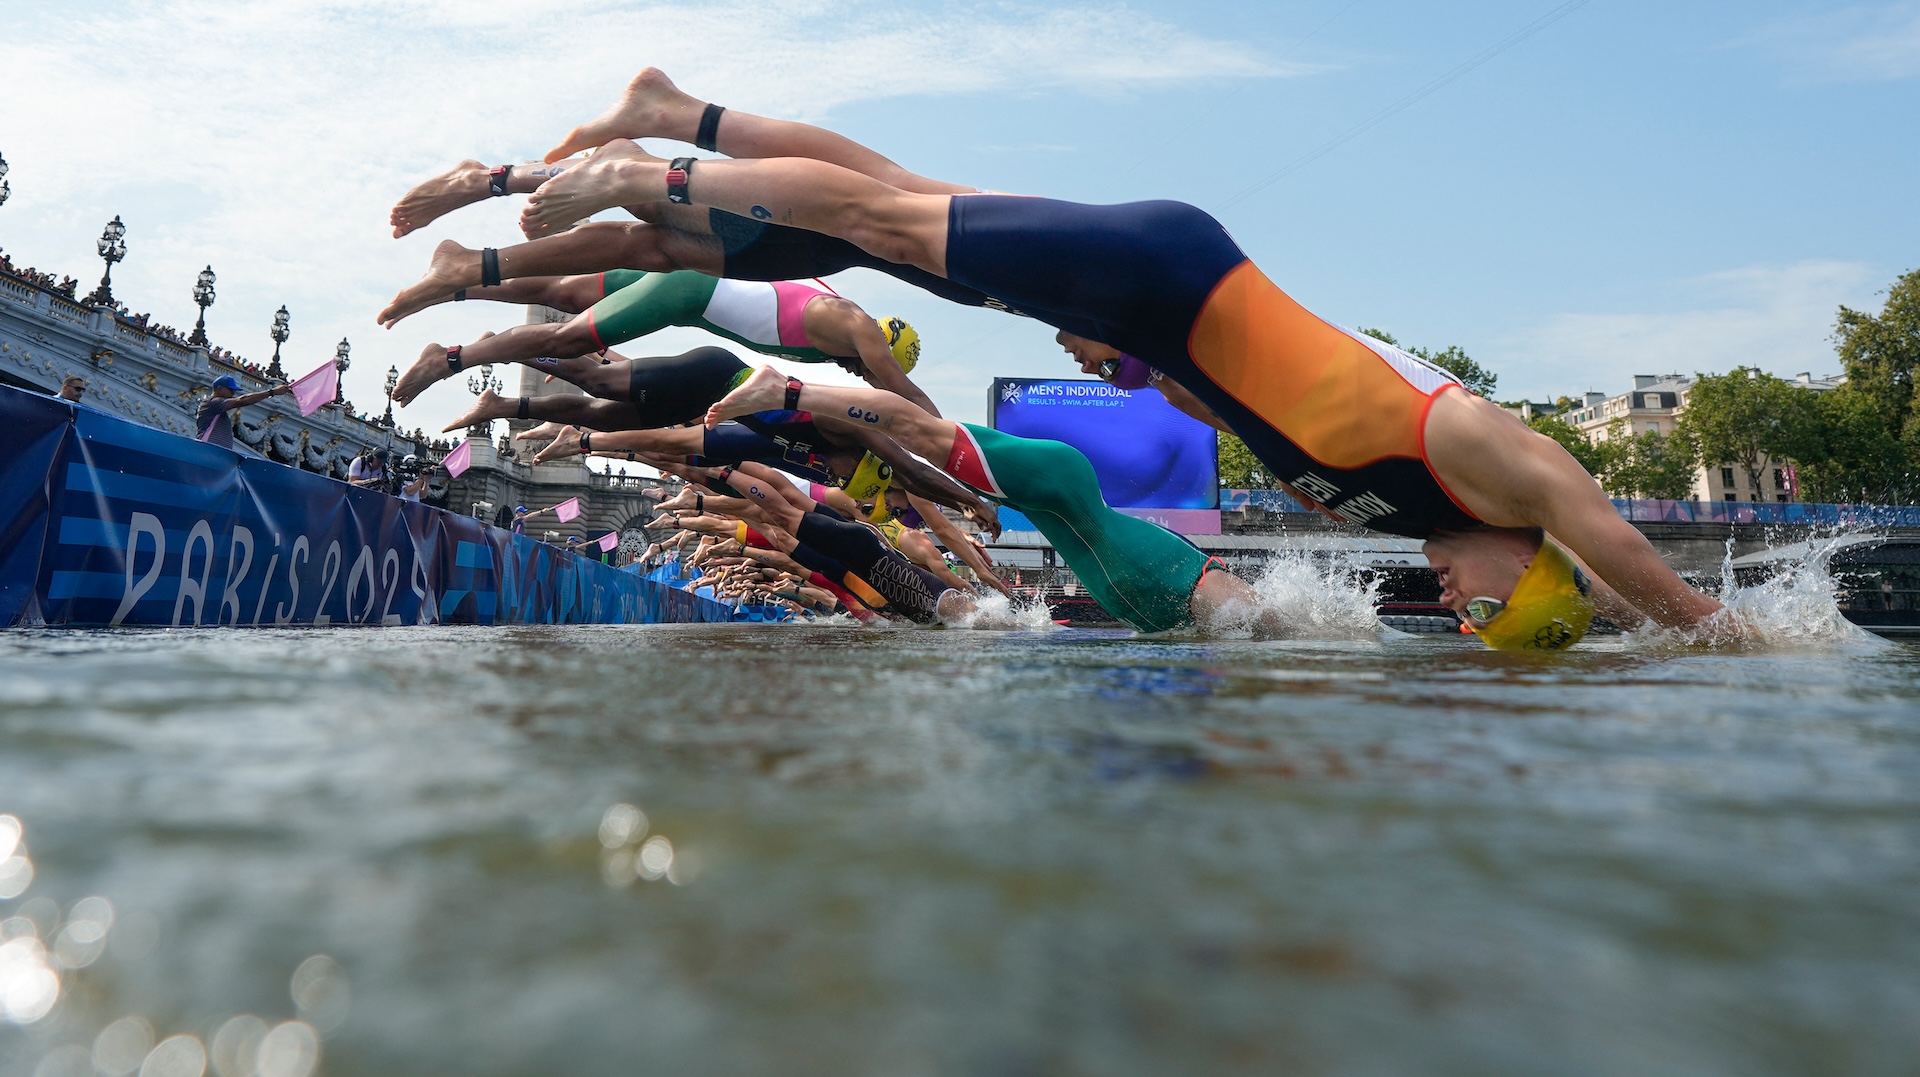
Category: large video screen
[1147,454]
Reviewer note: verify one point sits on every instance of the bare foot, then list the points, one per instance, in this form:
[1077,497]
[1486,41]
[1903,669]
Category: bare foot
[429,368]
[567,444]
[766,390]
[681,500]
[488,405]
[453,267]
[462,185]
[651,107]
[542,432]
[617,174]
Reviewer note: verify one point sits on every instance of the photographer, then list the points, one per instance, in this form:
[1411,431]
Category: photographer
[369,470]
[412,477]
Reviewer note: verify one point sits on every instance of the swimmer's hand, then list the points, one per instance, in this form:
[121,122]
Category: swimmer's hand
[980,548]
[983,515]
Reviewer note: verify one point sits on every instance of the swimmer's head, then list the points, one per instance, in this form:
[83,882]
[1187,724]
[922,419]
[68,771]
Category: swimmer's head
[870,478]
[902,341]
[839,464]
[1513,588]
[1088,353]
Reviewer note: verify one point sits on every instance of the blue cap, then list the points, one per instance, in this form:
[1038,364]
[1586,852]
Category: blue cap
[519,508]
[227,381]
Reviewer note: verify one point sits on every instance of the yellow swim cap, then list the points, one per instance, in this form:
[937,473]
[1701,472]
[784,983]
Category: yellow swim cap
[902,341]
[891,529]
[881,512]
[1551,607]
[870,478]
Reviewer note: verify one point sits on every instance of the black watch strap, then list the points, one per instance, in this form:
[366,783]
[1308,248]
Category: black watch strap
[709,129]
[586,442]
[794,385]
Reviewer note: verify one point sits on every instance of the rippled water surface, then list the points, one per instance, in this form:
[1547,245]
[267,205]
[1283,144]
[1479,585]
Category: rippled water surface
[926,852]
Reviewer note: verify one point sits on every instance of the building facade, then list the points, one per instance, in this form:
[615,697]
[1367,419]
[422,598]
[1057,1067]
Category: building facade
[1654,406]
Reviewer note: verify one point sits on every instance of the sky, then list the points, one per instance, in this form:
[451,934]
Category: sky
[1633,187]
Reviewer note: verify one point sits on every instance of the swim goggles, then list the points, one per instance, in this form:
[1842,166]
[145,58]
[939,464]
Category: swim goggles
[1482,610]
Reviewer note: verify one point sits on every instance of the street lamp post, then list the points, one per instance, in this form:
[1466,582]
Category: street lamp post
[5,190]
[340,360]
[202,298]
[112,247]
[393,379]
[279,333]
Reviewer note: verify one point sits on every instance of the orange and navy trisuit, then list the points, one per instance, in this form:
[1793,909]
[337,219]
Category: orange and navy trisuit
[1337,416]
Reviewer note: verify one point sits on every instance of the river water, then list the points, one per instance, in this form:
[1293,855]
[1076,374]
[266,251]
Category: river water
[824,850]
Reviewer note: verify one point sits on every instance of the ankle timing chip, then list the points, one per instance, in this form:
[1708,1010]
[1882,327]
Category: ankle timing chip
[497,180]
[677,174]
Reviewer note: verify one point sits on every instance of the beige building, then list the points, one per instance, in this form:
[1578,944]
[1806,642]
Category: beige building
[1654,406]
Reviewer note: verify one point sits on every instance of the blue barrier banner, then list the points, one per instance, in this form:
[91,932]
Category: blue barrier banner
[1678,512]
[1767,512]
[111,523]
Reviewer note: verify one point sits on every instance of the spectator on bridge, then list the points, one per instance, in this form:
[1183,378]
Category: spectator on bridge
[73,388]
[369,470]
[214,420]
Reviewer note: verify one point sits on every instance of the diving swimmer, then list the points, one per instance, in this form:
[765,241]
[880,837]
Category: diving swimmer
[1140,572]
[800,321]
[1377,437]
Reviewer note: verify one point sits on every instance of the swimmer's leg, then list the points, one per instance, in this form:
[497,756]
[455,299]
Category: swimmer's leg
[567,409]
[1139,571]
[885,221]
[684,242]
[654,302]
[671,441]
[653,107]
[463,185]
[535,345]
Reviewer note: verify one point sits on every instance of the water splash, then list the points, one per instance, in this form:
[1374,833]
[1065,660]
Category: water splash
[1797,608]
[995,611]
[1298,597]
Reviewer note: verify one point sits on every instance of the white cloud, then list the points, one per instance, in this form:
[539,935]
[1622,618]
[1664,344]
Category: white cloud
[270,138]
[1877,43]
[1779,319]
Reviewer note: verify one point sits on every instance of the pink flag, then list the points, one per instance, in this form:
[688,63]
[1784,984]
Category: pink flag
[609,540]
[567,510]
[460,459]
[318,388]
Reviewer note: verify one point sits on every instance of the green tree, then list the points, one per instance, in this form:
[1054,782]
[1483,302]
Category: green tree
[1748,418]
[1239,468]
[1454,360]
[1648,464]
[1872,423]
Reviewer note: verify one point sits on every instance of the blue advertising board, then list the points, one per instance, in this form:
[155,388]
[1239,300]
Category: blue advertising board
[1152,460]
[105,522]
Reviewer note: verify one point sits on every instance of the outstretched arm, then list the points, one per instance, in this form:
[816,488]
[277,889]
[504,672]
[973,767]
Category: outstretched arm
[1511,476]
[956,540]
[913,476]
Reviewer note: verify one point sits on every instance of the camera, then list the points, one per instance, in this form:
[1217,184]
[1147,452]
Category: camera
[410,467]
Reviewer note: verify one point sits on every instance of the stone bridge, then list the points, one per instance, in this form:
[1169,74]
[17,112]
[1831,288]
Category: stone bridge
[608,502]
